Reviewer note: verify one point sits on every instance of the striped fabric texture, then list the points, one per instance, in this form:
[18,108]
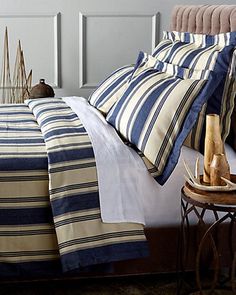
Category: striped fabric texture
[157,111]
[204,52]
[41,234]
[27,233]
[162,49]
[145,62]
[83,239]
[111,89]
[199,52]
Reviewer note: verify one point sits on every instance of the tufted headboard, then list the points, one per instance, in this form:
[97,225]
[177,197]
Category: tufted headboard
[206,19]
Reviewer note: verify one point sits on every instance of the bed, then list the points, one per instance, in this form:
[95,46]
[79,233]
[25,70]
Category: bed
[50,212]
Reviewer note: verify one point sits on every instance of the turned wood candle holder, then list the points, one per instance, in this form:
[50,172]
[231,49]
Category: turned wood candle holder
[219,168]
[213,143]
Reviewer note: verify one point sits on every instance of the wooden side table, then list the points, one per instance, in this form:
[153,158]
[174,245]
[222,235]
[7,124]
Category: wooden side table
[223,207]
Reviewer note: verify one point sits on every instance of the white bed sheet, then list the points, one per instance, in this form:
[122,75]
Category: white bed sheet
[156,205]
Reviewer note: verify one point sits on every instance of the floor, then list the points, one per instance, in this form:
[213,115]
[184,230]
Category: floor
[145,285]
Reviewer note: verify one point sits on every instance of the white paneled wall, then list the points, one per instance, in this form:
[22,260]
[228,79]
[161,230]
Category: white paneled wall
[30,29]
[74,44]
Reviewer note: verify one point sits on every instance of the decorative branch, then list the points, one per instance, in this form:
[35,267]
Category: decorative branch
[15,91]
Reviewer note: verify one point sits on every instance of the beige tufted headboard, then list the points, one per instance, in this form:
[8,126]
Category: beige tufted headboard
[206,19]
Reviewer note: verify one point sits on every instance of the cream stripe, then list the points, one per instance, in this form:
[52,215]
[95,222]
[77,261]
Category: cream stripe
[92,228]
[74,177]
[39,188]
[101,243]
[28,243]
[20,259]
[25,227]
[74,214]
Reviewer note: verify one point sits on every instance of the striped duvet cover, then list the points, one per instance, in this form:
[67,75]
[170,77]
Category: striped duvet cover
[49,202]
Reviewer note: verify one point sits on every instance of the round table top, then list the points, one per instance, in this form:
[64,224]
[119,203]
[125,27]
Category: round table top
[217,197]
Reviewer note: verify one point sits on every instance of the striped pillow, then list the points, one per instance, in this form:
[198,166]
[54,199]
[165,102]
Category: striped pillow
[145,62]
[111,89]
[197,51]
[221,102]
[157,111]
[162,49]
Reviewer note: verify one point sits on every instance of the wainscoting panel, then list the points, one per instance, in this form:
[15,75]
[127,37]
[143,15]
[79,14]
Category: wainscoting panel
[40,41]
[110,40]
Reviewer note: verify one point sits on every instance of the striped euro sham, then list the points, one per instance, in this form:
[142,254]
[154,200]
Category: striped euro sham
[221,102]
[205,52]
[196,51]
[157,111]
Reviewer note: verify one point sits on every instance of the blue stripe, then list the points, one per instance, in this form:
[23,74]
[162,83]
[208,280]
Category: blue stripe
[210,40]
[187,37]
[147,107]
[34,269]
[19,121]
[142,58]
[81,201]
[14,106]
[112,116]
[56,109]
[21,140]
[113,73]
[157,112]
[123,78]
[232,38]
[45,101]
[16,113]
[64,131]
[207,66]
[173,50]
[70,155]
[20,129]
[23,216]
[160,48]
[54,118]
[188,58]
[15,164]
[105,254]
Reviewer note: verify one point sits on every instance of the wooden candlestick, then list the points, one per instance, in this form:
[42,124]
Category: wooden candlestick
[213,143]
[219,168]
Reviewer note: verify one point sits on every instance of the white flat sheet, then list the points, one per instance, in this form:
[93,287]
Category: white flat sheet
[121,172]
[127,191]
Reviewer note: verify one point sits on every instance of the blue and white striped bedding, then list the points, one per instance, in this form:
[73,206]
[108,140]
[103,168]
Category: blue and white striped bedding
[204,52]
[49,201]
[158,110]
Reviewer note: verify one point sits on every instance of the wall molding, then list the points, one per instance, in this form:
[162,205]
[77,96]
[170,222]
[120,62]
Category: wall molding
[155,18]
[56,83]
